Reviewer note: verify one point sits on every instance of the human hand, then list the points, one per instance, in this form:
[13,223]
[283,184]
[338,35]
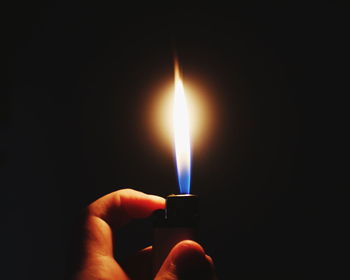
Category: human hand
[187,260]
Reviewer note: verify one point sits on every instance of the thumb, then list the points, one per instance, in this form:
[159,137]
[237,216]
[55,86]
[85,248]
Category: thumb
[187,260]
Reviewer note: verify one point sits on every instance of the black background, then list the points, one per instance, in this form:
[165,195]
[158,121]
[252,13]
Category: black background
[80,77]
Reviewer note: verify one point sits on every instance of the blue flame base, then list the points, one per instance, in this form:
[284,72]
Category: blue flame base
[184,178]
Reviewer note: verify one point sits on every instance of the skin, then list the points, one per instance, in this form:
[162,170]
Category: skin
[99,234]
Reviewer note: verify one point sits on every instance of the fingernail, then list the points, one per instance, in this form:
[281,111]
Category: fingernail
[193,264]
[209,259]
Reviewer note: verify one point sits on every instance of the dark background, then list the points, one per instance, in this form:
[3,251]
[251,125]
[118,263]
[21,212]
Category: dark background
[80,77]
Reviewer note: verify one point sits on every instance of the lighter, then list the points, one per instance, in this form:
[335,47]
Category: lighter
[179,221]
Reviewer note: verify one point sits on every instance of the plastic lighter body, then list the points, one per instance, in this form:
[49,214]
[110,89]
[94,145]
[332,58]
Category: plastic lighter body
[179,221]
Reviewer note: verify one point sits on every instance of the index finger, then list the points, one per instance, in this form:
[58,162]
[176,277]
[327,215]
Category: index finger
[112,211]
[119,207]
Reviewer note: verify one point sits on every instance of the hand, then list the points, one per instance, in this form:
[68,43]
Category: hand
[187,260]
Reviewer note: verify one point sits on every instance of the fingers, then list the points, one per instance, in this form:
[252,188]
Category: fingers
[94,248]
[121,206]
[187,260]
[112,211]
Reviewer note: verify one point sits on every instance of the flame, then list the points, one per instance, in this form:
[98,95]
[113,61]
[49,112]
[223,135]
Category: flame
[181,129]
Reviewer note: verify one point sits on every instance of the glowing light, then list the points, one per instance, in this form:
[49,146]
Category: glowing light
[181,129]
